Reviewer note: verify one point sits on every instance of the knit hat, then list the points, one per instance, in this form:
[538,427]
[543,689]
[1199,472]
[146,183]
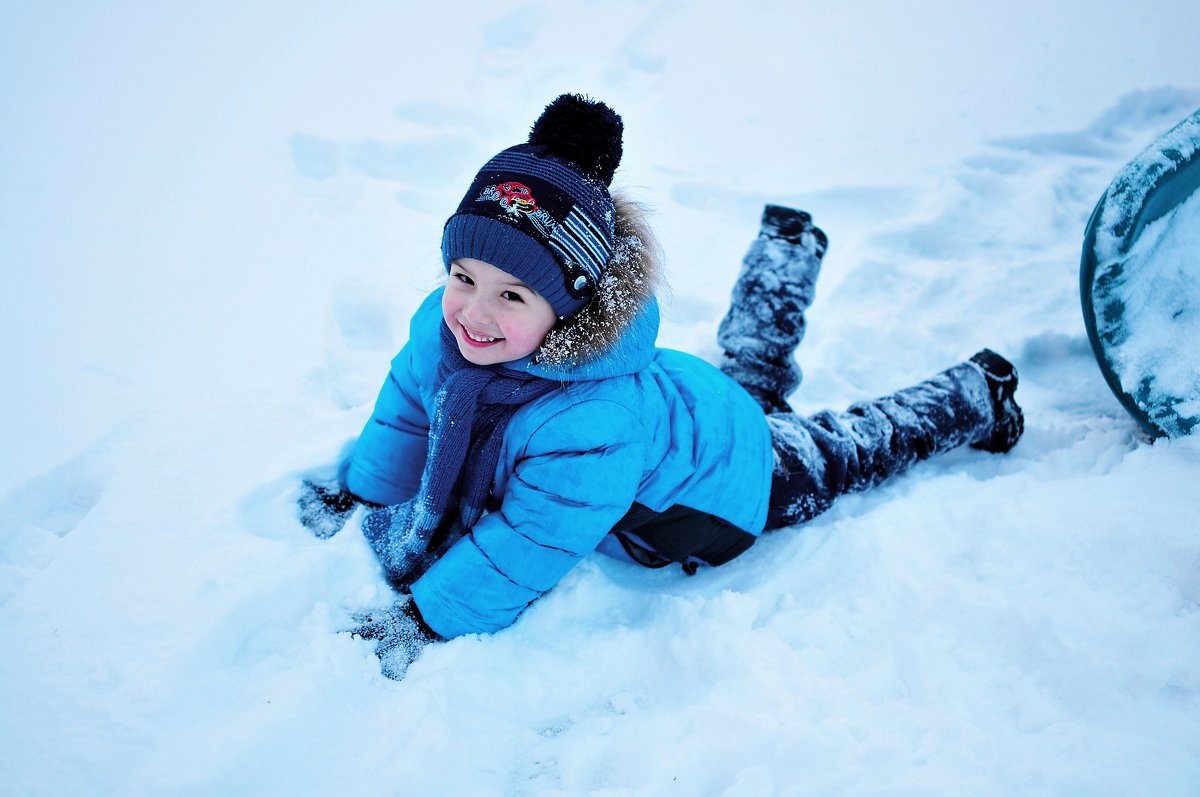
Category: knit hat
[541,210]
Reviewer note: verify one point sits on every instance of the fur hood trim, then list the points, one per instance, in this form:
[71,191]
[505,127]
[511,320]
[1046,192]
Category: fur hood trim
[632,277]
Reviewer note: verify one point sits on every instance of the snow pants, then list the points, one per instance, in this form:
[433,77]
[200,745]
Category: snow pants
[829,454]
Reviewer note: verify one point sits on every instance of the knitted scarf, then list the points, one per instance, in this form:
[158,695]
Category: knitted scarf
[472,409]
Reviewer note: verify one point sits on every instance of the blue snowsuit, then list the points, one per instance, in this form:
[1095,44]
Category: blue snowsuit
[656,438]
[654,452]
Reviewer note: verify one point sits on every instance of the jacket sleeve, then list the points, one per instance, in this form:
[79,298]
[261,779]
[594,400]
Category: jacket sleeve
[577,476]
[390,453]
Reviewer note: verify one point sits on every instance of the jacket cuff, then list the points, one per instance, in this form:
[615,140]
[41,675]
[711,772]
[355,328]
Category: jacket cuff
[414,613]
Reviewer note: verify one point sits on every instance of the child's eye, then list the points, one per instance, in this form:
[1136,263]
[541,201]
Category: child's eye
[463,278]
[512,296]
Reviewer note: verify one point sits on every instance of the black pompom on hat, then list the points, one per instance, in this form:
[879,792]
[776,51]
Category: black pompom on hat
[586,133]
[542,210]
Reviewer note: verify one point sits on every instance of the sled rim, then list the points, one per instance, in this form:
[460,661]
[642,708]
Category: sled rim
[1168,189]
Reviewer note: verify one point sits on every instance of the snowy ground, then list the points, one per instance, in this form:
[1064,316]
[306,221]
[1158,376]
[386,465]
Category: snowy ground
[214,223]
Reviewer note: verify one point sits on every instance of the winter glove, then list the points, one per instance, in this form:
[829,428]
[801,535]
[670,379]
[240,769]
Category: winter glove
[399,633]
[324,509]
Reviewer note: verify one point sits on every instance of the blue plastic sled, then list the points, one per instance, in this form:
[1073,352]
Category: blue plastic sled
[1154,317]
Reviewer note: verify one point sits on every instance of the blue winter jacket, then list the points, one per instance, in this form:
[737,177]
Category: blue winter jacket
[654,446]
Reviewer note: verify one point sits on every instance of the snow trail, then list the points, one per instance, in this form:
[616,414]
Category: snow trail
[992,624]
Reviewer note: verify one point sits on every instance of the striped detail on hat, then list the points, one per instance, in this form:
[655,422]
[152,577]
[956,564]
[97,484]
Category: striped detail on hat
[577,240]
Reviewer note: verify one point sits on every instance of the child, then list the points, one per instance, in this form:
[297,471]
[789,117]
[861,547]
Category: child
[530,420]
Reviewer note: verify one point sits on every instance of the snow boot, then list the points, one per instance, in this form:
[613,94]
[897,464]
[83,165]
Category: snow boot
[1001,378]
[765,321]
[790,225]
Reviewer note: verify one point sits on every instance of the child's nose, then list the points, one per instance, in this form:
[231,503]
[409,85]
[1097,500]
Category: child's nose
[478,309]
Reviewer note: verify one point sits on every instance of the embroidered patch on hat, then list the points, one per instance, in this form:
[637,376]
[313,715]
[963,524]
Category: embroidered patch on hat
[518,201]
[516,197]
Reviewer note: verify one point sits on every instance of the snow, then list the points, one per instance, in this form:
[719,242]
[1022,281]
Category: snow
[214,227]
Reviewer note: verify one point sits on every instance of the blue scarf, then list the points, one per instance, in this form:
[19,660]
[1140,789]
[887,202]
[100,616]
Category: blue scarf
[472,409]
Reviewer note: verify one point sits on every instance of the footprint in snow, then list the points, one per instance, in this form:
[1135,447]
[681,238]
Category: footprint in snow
[1065,366]
[1138,116]
[360,347]
[36,515]
[438,116]
[271,510]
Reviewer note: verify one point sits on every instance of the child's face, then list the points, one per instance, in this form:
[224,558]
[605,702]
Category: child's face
[495,317]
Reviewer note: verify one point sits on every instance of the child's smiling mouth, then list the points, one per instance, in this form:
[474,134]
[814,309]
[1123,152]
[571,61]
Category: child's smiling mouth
[478,340]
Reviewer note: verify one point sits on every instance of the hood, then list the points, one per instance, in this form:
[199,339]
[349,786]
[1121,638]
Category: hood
[629,353]
[616,333]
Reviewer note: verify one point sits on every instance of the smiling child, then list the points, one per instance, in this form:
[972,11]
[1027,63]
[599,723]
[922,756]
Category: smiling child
[531,419]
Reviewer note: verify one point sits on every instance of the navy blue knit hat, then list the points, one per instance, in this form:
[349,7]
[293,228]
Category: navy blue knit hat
[542,211]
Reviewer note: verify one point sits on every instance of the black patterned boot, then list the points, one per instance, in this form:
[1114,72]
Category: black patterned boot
[1001,378]
[791,225]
